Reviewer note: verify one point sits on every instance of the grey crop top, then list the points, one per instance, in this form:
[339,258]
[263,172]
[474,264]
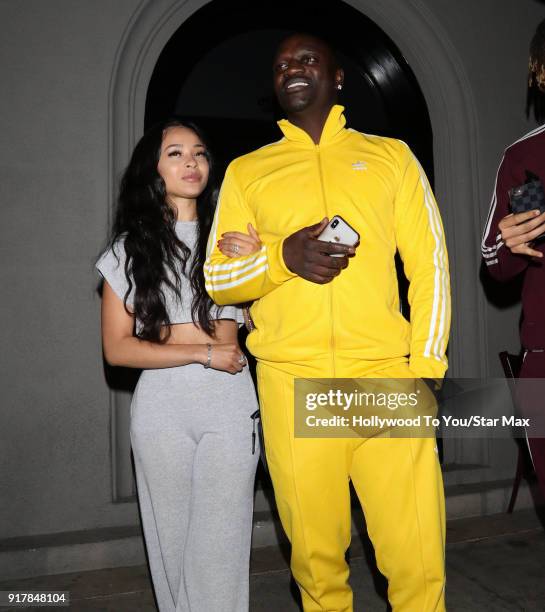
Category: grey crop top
[112,269]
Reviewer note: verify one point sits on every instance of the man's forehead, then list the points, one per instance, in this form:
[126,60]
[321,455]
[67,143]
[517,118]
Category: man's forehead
[303,42]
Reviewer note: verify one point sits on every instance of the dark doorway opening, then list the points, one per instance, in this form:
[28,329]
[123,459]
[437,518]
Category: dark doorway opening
[216,68]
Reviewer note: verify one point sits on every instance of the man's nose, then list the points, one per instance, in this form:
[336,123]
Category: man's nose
[294,66]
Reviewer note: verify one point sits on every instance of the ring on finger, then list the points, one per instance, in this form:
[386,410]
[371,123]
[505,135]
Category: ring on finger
[235,248]
[242,360]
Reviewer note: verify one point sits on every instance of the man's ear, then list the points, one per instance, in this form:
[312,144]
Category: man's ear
[339,77]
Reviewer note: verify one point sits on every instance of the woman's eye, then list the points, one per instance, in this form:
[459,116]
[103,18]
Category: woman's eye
[201,153]
[174,153]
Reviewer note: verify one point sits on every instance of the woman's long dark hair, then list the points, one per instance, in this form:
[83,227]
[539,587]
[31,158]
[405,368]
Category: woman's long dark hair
[146,223]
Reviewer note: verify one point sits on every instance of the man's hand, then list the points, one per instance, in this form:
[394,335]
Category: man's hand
[311,259]
[518,230]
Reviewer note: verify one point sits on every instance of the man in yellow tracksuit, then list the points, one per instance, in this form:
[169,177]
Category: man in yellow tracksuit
[318,316]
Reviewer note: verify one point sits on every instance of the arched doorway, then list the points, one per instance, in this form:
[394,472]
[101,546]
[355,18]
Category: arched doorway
[441,75]
[216,69]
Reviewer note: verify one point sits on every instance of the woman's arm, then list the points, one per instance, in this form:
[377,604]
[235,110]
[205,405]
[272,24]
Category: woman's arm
[121,348]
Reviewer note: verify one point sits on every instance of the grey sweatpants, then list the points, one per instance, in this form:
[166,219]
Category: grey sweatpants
[191,439]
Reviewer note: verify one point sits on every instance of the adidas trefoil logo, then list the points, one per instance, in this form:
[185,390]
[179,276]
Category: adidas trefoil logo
[359,165]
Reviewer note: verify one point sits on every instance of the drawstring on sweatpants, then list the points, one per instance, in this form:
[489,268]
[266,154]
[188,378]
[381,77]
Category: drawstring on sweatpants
[254,416]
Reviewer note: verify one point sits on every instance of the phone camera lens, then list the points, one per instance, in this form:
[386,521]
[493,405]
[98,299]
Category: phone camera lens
[335,223]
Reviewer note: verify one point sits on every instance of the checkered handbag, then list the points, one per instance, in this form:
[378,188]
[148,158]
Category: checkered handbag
[527,197]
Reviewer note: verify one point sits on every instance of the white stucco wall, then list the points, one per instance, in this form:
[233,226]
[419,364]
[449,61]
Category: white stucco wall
[56,65]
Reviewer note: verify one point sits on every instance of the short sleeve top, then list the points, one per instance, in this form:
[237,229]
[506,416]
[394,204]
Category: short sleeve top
[111,266]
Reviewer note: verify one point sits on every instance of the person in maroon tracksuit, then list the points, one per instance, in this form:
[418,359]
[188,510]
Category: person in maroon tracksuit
[508,246]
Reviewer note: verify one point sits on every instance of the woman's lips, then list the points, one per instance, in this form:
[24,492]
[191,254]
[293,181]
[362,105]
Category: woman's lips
[192,178]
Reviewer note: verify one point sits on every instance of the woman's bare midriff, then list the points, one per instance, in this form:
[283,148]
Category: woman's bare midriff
[188,333]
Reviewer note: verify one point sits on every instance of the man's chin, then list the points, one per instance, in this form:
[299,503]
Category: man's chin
[295,105]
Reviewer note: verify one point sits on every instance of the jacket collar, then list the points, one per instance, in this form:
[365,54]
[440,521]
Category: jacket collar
[334,124]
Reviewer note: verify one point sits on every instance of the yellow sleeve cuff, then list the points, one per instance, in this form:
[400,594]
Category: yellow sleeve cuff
[278,271]
[427,367]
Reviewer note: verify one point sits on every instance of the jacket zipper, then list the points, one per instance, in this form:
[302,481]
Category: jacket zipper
[330,288]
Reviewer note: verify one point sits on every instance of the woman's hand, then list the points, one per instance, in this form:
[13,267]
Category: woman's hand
[226,357]
[236,244]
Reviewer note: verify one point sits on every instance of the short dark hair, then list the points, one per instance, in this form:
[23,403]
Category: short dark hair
[536,75]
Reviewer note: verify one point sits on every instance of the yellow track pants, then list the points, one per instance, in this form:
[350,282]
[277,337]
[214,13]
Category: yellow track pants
[399,485]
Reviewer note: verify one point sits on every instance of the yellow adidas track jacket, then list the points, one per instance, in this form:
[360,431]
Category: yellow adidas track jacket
[351,326]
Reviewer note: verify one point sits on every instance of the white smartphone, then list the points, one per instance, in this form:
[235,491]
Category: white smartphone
[339,232]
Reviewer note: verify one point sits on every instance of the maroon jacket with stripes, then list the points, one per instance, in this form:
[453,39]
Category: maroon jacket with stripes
[528,153]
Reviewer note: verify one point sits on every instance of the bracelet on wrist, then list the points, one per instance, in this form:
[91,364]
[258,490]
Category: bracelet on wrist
[209,356]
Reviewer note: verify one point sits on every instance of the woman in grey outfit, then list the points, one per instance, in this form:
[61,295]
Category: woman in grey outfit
[191,430]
